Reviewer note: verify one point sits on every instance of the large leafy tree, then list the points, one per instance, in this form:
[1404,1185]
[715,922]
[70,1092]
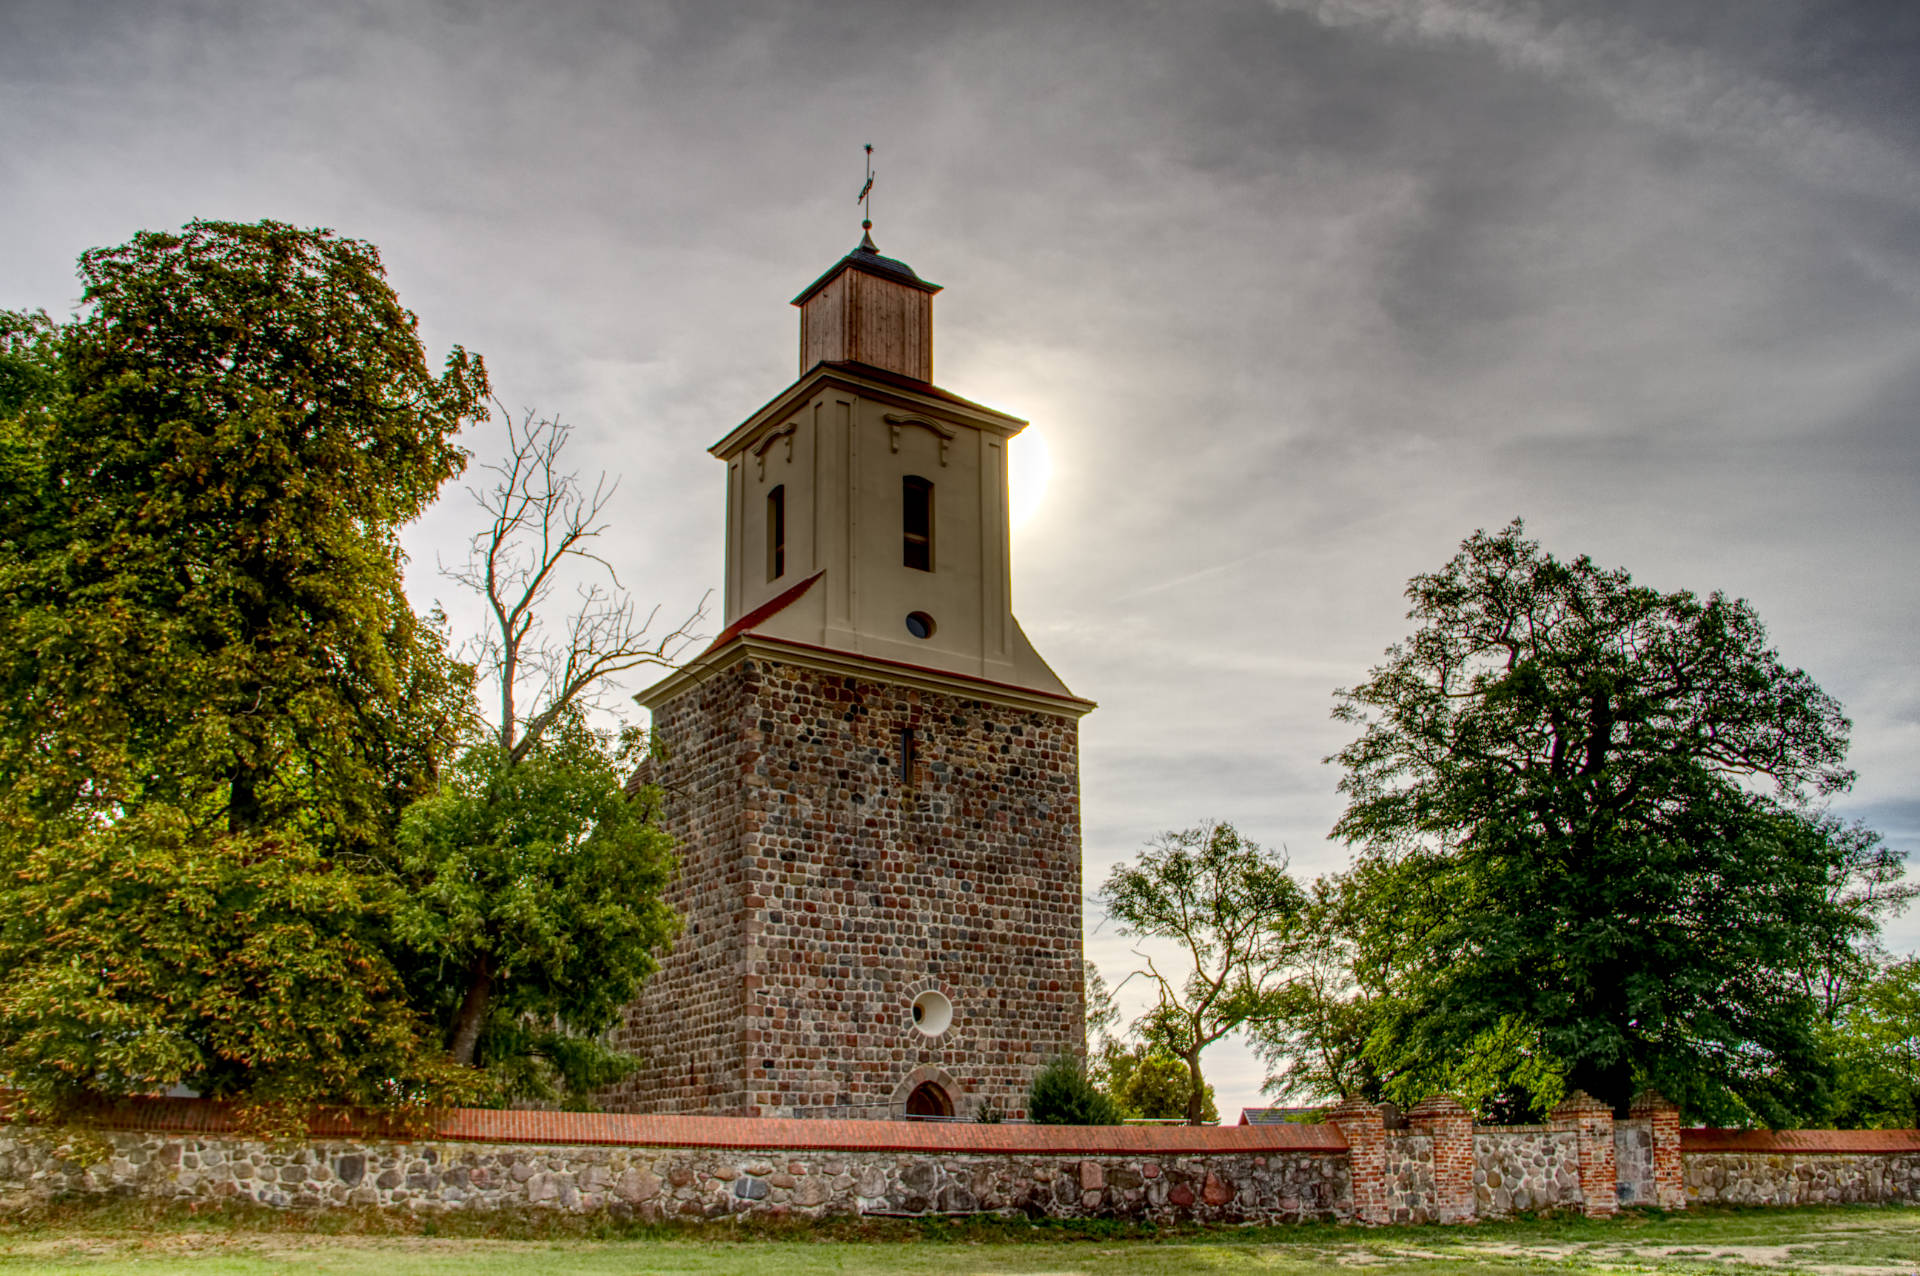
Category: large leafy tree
[1234,914]
[217,700]
[1580,808]
[533,880]
[202,575]
[1148,1084]
[533,908]
[247,967]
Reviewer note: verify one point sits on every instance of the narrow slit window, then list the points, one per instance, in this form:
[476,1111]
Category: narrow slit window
[916,522]
[777,532]
[906,755]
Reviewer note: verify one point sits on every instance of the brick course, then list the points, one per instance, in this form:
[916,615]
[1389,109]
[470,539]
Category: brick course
[1662,1116]
[1359,1123]
[1450,1127]
[1591,1122]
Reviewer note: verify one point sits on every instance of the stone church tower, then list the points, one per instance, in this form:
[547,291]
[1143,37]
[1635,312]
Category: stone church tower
[873,776]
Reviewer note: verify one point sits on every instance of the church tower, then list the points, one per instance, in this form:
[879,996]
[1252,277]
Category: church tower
[873,776]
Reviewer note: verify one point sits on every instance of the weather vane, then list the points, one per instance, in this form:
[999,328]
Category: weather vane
[866,195]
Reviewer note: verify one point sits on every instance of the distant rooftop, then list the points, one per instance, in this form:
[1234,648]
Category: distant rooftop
[1277,1116]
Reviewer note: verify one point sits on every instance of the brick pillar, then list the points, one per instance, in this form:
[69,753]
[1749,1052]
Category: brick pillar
[1592,1121]
[1359,1124]
[1663,1115]
[1450,1128]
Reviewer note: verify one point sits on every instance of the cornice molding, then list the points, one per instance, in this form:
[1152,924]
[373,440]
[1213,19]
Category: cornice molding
[778,410]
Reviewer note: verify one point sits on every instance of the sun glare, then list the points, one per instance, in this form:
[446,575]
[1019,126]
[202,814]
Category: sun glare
[1029,465]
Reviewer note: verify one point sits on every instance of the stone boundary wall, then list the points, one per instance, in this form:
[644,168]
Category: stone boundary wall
[1800,1167]
[662,1183]
[1351,1168]
[1407,1167]
[1634,1181]
[1518,1168]
[658,1167]
[1445,1169]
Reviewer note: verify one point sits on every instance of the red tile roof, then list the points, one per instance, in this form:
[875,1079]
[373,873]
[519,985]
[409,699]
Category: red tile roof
[478,1125]
[1810,1142]
[759,615]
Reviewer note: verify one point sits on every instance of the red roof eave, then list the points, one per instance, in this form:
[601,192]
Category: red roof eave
[759,615]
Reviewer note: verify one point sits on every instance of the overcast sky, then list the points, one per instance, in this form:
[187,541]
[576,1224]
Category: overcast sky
[1297,295]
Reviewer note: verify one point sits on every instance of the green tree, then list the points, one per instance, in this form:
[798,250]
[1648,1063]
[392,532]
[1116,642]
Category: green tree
[1579,801]
[217,700]
[534,883]
[201,586]
[1234,912]
[534,891]
[29,363]
[1357,954]
[1063,1094]
[1314,1036]
[1875,1044]
[1865,878]
[1148,1084]
[247,967]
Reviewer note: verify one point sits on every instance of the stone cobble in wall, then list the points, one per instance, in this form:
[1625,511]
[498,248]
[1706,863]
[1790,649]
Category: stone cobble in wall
[684,1183]
[686,1027]
[1524,1167]
[1633,1161]
[1799,1178]
[1407,1171]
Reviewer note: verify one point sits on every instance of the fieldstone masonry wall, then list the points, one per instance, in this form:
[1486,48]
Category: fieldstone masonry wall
[1800,1167]
[690,1183]
[1518,1168]
[1350,1169]
[1407,1177]
[824,890]
[1633,1161]
[1774,1178]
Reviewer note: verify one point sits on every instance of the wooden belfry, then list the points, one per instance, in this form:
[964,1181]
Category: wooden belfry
[869,309]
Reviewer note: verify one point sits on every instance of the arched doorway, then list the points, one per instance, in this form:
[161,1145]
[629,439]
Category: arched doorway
[929,1100]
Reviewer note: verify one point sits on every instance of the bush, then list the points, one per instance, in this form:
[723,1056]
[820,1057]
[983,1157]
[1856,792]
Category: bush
[1062,1094]
[1155,1086]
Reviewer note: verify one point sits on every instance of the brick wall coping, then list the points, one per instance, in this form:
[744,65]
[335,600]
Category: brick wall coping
[1814,1142]
[483,1125]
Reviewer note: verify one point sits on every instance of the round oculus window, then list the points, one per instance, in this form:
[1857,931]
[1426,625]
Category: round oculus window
[932,1013]
[919,624]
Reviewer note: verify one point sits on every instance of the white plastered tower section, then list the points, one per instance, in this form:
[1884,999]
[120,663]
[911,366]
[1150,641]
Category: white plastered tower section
[830,459]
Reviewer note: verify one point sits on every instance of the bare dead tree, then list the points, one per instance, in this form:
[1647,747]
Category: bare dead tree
[542,522]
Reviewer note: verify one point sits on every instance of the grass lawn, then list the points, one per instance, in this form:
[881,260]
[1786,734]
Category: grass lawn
[129,1237]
